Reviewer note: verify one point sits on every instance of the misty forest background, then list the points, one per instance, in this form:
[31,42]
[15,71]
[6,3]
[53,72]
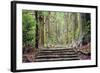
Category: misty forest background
[46,29]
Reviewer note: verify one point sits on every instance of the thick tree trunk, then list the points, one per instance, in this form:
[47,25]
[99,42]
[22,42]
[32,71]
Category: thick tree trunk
[36,16]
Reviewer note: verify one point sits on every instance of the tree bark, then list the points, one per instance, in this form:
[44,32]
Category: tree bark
[36,16]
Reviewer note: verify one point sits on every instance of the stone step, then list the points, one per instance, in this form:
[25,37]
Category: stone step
[55,59]
[54,49]
[53,55]
[56,53]
[56,56]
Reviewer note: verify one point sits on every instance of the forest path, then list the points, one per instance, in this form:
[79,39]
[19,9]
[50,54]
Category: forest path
[64,54]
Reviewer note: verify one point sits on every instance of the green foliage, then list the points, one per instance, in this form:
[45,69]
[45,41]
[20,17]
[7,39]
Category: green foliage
[28,28]
[87,27]
[87,30]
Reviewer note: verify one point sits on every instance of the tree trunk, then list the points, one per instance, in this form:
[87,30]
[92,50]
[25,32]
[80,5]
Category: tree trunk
[36,16]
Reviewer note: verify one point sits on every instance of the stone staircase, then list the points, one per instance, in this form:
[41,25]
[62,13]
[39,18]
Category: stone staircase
[45,55]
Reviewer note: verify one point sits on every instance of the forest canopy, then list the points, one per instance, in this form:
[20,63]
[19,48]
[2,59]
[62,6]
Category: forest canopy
[55,29]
